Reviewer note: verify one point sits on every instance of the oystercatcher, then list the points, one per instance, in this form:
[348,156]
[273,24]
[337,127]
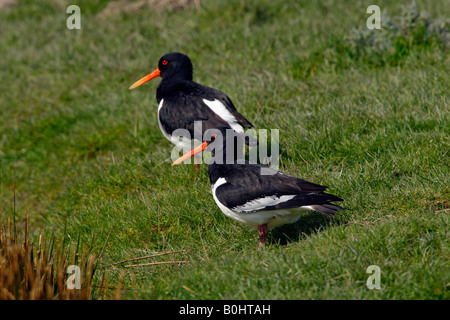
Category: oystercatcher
[256,195]
[184,103]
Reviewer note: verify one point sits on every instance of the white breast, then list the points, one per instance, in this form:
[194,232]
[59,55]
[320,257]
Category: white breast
[168,136]
[224,209]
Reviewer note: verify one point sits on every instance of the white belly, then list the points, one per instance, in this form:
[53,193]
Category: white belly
[273,218]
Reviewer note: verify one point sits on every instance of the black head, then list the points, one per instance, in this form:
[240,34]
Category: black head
[171,67]
[225,144]
[224,136]
[175,65]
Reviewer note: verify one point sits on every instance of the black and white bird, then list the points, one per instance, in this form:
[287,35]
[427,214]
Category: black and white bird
[256,195]
[184,103]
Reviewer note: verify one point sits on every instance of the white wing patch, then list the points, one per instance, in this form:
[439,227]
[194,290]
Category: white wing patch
[262,203]
[219,108]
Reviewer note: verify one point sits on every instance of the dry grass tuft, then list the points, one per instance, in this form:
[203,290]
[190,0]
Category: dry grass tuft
[39,272]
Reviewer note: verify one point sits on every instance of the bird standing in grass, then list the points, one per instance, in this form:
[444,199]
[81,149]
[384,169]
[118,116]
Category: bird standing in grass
[184,103]
[256,195]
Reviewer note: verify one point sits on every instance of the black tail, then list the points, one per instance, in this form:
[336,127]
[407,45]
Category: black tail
[327,208]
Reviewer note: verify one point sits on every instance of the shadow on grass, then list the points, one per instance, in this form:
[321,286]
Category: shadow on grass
[304,227]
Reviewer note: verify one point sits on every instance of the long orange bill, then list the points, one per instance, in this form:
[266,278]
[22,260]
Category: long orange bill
[145,79]
[191,153]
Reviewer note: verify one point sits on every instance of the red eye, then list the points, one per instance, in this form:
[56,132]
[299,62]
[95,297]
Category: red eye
[164,62]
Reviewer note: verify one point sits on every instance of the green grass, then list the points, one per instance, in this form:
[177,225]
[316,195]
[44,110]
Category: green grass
[88,160]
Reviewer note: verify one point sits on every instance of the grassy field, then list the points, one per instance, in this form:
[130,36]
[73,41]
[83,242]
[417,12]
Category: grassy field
[363,112]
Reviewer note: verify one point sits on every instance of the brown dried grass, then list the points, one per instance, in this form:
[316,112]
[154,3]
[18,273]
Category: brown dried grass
[39,272]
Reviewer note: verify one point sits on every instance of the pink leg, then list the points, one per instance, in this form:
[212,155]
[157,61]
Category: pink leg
[196,161]
[262,229]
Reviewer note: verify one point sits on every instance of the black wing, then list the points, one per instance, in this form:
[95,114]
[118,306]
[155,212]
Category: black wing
[247,190]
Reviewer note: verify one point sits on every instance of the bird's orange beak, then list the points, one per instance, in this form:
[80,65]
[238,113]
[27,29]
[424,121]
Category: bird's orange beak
[191,153]
[147,78]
